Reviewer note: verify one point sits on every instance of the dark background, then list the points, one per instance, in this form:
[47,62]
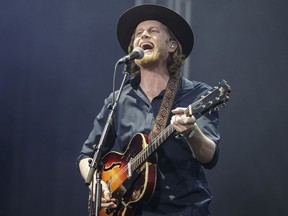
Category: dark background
[56,63]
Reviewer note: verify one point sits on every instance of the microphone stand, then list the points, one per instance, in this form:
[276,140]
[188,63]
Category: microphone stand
[95,164]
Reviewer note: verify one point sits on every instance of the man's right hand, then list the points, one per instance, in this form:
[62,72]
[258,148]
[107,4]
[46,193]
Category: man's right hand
[106,198]
[107,201]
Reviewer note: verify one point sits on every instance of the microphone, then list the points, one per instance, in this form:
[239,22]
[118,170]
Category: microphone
[137,53]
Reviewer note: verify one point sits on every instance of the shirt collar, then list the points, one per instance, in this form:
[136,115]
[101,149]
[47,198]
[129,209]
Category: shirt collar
[135,82]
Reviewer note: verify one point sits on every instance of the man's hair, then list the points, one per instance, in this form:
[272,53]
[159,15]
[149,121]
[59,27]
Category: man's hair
[174,61]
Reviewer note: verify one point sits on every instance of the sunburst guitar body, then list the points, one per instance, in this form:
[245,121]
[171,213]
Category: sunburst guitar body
[128,178]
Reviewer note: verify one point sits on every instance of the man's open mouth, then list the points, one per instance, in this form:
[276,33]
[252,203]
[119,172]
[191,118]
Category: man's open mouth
[147,46]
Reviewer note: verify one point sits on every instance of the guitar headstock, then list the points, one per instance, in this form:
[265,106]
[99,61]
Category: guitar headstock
[215,97]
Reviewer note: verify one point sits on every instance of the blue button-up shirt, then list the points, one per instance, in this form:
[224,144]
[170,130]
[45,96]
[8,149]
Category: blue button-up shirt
[182,188]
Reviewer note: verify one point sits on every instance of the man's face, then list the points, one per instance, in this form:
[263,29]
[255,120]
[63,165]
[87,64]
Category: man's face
[153,38]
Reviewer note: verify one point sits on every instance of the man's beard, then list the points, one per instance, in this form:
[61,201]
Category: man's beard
[149,60]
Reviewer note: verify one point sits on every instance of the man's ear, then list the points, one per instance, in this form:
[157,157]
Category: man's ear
[172,46]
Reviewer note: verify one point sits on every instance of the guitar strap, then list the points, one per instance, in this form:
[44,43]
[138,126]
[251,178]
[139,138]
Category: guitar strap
[165,108]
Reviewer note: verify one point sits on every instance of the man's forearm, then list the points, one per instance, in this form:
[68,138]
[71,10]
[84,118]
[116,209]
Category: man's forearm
[202,147]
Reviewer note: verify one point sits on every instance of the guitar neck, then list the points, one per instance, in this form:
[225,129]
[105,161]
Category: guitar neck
[208,102]
[152,147]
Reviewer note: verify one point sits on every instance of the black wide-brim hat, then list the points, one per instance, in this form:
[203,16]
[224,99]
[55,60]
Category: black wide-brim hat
[129,20]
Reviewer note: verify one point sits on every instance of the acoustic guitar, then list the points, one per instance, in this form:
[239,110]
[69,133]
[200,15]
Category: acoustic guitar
[131,176]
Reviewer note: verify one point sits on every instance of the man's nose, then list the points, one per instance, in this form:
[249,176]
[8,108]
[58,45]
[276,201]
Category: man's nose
[145,34]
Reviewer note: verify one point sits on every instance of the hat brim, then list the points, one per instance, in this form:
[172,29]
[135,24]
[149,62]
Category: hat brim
[129,20]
